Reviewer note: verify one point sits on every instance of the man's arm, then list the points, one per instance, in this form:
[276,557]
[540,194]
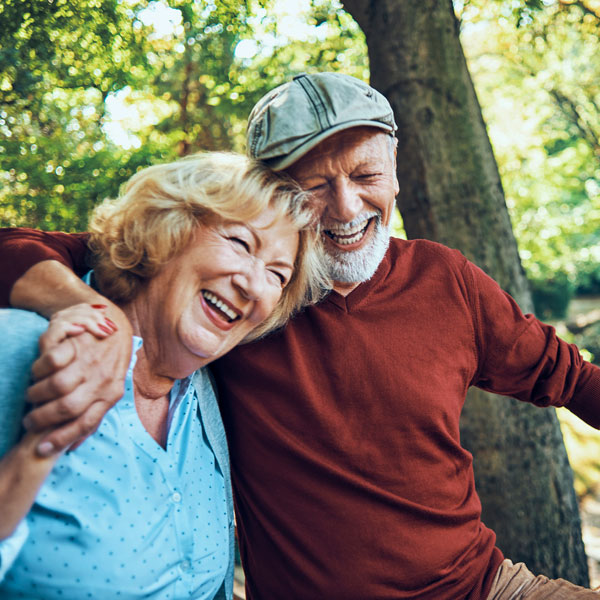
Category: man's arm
[77,379]
[22,248]
[524,358]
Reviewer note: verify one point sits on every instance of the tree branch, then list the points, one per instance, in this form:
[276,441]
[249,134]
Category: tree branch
[570,110]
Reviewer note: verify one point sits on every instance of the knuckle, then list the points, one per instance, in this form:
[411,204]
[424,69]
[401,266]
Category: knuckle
[59,440]
[88,423]
[61,385]
[53,359]
[115,391]
[66,407]
[46,340]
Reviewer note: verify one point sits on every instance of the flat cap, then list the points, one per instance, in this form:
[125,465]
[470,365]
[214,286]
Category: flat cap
[293,118]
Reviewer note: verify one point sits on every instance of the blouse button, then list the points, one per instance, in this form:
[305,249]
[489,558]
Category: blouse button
[185,565]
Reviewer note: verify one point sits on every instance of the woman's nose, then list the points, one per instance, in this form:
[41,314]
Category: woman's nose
[251,280]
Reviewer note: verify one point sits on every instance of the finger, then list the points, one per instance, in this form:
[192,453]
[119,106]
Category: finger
[101,328]
[61,387]
[72,329]
[74,433]
[74,320]
[98,328]
[57,331]
[53,359]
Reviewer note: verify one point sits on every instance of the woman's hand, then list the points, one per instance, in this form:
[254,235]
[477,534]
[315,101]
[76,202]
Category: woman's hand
[79,375]
[22,473]
[76,319]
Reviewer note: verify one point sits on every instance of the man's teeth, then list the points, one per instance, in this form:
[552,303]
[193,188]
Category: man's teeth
[230,314]
[344,236]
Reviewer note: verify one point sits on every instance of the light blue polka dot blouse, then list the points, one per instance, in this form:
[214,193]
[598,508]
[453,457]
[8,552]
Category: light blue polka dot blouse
[121,517]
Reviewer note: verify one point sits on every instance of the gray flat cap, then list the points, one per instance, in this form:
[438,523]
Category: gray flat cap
[296,116]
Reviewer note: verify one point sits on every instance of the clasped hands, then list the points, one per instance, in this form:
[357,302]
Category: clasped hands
[79,375]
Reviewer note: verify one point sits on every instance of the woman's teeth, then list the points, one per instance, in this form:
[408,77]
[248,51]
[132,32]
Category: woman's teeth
[220,305]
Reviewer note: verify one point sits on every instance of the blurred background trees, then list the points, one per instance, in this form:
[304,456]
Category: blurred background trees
[93,90]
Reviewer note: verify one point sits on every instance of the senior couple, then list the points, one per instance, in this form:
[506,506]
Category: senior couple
[348,474]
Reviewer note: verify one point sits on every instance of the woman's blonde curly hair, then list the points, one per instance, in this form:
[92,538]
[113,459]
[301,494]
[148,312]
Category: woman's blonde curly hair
[160,207]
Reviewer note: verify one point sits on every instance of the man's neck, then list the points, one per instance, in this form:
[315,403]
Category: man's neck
[343,288]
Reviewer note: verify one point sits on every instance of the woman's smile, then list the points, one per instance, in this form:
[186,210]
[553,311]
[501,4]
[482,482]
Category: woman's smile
[221,312]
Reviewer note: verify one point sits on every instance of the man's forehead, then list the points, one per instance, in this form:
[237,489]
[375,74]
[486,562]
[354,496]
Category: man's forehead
[357,145]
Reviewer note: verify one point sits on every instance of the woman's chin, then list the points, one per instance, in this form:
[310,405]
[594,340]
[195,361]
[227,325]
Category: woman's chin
[203,347]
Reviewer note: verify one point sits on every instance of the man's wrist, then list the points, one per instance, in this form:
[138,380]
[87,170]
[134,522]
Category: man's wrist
[50,286]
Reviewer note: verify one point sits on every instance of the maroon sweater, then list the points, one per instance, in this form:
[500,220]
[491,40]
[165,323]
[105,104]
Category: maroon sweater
[349,477]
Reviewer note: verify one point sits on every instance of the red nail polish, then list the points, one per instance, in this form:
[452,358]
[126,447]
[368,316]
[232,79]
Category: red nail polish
[105,328]
[99,306]
[111,324]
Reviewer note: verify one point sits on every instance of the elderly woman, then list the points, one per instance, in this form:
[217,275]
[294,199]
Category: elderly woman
[200,254]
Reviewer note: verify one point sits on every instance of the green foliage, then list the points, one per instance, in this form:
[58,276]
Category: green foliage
[538,89]
[551,296]
[93,90]
[58,62]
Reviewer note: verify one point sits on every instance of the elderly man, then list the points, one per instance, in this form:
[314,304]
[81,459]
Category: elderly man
[349,476]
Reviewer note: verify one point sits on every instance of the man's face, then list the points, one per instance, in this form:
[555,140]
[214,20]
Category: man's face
[352,178]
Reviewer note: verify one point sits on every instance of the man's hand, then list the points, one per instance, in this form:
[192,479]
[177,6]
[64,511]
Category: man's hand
[79,375]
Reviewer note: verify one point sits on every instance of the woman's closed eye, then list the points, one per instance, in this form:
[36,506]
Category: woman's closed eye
[241,242]
[279,276]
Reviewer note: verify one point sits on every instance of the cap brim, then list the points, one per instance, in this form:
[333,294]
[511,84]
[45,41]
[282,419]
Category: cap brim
[283,162]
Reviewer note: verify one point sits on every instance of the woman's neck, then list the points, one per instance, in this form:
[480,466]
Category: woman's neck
[152,389]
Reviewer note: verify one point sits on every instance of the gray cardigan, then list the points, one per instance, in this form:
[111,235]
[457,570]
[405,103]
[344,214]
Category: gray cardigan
[19,333]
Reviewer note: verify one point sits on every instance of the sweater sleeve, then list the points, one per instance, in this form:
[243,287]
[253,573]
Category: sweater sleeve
[21,248]
[524,358]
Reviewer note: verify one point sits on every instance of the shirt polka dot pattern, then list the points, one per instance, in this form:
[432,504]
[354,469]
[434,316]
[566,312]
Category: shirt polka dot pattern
[123,518]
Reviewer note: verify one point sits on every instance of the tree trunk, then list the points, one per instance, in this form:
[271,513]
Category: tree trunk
[450,192]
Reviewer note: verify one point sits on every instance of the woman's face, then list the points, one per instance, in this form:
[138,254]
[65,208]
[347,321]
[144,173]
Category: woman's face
[208,298]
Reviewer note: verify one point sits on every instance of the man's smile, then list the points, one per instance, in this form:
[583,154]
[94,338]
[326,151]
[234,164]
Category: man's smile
[349,233]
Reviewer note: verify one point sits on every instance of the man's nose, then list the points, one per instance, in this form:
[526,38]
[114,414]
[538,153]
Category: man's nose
[345,202]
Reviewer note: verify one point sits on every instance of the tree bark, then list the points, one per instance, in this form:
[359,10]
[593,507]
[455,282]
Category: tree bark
[450,192]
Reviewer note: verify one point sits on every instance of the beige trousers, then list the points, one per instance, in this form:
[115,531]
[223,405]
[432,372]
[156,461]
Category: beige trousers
[517,582]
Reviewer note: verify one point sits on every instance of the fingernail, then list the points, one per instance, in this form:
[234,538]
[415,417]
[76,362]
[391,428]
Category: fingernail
[26,422]
[45,449]
[105,328]
[99,306]
[111,324]
[79,325]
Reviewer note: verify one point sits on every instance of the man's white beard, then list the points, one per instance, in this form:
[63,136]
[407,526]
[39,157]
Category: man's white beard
[356,266]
